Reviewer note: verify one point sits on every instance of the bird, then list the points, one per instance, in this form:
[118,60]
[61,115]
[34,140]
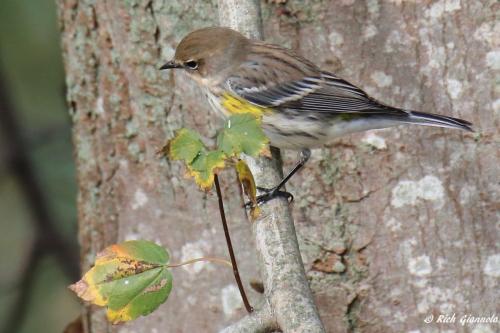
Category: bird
[301,105]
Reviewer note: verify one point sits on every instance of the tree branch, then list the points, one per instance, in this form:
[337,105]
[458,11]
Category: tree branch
[286,289]
[258,321]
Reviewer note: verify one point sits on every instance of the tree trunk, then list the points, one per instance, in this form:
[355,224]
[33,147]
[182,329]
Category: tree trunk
[393,225]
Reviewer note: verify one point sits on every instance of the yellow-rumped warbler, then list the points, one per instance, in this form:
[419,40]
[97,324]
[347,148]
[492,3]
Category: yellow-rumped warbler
[301,105]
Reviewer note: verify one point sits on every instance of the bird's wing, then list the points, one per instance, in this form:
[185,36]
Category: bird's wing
[273,76]
[339,96]
[269,95]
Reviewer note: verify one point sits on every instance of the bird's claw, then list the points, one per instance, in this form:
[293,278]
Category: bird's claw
[269,194]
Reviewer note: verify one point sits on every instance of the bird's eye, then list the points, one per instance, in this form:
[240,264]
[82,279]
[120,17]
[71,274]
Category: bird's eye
[191,64]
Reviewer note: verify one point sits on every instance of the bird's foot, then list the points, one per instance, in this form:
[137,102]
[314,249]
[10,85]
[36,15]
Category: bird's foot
[269,194]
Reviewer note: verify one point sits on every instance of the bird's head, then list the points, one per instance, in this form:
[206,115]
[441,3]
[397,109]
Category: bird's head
[208,54]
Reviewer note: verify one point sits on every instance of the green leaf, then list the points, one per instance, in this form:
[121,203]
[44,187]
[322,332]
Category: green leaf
[186,146]
[242,133]
[204,167]
[131,279]
[138,295]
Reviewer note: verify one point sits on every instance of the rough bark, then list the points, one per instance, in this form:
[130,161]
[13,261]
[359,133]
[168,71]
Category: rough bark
[393,225]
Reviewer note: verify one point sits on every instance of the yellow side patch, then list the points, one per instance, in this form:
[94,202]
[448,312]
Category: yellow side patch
[236,105]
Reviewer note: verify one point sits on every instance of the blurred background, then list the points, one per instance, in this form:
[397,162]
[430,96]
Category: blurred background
[38,244]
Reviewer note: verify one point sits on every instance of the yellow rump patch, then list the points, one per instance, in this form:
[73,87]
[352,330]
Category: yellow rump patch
[237,105]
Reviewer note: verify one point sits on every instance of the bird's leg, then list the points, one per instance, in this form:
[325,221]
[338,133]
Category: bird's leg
[275,192]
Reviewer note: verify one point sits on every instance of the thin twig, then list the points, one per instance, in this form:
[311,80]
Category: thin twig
[248,307]
[209,259]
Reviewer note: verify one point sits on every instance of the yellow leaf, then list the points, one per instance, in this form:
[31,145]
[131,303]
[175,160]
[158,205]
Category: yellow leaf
[131,279]
[247,181]
[87,291]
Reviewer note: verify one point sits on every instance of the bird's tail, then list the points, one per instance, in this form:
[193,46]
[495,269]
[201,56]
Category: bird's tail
[431,119]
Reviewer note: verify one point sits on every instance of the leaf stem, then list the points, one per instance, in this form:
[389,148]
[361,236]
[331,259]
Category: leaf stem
[209,259]
[248,307]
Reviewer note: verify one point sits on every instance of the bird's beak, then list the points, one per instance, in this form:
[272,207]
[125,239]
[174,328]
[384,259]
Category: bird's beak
[170,64]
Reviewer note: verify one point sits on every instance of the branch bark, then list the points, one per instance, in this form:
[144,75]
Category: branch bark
[291,304]
[261,320]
